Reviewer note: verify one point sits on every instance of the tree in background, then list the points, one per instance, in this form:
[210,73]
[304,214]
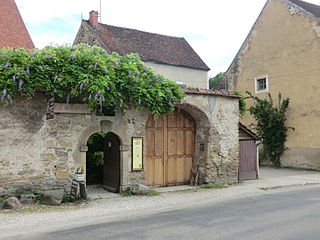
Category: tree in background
[216,80]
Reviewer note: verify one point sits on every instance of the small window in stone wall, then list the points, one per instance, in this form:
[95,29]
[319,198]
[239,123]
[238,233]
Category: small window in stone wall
[261,84]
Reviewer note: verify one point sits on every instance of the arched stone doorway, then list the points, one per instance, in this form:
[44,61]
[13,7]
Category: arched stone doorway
[170,143]
[103,161]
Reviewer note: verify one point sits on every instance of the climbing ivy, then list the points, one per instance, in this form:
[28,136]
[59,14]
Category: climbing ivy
[242,103]
[87,74]
[270,125]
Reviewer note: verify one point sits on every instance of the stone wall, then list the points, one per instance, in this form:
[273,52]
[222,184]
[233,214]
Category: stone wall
[217,128]
[38,154]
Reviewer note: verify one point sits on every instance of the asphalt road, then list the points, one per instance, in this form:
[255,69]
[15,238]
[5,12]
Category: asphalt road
[282,215]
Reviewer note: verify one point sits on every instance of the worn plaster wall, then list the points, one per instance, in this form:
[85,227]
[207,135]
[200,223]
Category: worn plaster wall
[285,46]
[217,128]
[190,77]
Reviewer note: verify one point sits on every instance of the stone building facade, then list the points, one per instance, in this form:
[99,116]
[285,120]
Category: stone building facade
[38,154]
[282,53]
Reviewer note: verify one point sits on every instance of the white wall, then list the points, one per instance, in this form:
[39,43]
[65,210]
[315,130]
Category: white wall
[190,77]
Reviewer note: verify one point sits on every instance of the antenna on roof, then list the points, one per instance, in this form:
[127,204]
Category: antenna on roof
[81,16]
[100,11]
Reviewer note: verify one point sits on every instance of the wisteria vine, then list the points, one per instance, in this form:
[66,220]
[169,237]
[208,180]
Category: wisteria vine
[87,74]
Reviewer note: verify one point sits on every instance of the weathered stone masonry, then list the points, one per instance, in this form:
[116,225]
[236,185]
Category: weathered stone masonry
[38,154]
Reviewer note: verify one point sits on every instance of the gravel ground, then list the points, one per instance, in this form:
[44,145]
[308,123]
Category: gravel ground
[106,206]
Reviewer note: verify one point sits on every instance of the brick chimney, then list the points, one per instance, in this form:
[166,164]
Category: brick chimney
[93,18]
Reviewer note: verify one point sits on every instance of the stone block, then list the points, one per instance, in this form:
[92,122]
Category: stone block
[139,189]
[65,144]
[61,154]
[52,197]
[50,157]
[27,198]
[62,175]
[11,203]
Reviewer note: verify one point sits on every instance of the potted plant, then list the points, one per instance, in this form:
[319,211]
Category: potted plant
[79,175]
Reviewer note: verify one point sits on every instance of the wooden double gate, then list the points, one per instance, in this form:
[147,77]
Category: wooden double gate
[170,148]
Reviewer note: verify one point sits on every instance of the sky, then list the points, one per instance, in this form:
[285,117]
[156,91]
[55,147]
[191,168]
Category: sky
[215,29]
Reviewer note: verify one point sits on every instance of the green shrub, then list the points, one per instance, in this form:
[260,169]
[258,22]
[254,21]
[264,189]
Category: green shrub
[126,192]
[39,198]
[271,125]
[66,198]
[98,159]
[242,104]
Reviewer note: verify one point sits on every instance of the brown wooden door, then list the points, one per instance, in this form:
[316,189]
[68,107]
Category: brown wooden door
[111,167]
[170,148]
[248,160]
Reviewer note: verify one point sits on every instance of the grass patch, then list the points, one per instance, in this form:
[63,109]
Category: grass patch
[214,186]
[185,190]
[152,193]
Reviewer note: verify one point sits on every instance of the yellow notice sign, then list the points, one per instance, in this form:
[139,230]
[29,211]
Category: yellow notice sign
[137,153]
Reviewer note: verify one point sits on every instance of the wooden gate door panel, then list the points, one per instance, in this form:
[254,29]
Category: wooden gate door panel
[158,172]
[171,171]
[171,140]
[111,167]
[154,170]
[181,170]
[248,160]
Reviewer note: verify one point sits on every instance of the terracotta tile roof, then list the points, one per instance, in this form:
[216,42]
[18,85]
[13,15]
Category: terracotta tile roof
[309,7]
[13,32]
[209,92]
[247,130]
[150,46]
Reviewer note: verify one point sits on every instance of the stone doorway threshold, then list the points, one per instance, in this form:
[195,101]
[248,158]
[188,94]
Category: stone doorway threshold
[98,192]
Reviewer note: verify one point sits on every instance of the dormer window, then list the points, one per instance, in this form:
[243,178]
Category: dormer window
[261,84]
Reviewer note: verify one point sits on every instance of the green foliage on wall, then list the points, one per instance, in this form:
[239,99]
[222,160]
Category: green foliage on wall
[86,73]
[270,125]
[242,103]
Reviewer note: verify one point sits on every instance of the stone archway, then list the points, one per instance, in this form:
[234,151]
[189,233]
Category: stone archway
[203,138]
[103,160]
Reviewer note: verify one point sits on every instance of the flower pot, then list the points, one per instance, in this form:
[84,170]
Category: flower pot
[79,177]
